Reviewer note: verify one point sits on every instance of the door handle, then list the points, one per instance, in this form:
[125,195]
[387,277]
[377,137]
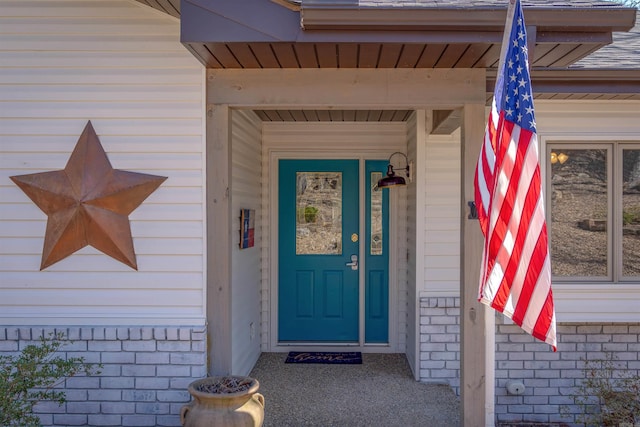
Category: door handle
[354,262]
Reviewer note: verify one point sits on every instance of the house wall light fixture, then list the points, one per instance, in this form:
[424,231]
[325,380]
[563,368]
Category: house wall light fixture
[393,180]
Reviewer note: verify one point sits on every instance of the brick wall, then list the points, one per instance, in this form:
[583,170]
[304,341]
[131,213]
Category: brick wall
[440,341]
[144,378]
[551,379]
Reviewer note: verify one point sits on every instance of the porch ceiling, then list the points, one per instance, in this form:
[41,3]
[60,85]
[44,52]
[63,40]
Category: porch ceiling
[333,115]
[286,34]
[445,121]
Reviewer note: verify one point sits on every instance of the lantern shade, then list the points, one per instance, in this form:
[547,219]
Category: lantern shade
[391,180]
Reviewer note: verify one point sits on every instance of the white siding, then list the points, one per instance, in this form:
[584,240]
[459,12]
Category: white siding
[329,140]
[246,185]
[120,65]
[442,216]
[413,240]
[400,199]
[265,248]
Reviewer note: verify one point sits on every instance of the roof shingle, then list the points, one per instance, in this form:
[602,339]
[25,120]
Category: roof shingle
[623,53]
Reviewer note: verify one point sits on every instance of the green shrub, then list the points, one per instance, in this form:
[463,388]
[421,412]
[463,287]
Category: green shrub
[31,376]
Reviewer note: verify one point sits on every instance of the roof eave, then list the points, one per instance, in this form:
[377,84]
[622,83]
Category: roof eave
[316,17]
[222,21]
[225,21]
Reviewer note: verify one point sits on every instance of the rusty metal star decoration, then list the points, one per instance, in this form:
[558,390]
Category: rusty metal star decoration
[88,203]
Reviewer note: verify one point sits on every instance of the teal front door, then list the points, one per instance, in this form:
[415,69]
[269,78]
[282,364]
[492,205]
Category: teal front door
[319,266]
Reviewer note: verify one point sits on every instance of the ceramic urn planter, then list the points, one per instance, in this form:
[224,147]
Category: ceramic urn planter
[231,401]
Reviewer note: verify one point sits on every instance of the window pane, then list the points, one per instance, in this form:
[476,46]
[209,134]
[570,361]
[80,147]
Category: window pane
[631,212]
[376,214]
[579,210]
[318,213]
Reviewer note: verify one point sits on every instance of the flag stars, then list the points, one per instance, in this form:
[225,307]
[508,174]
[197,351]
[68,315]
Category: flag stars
[517,98]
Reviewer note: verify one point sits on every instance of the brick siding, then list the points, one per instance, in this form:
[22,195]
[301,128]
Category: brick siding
[551,379]
[143,381]
[440,341]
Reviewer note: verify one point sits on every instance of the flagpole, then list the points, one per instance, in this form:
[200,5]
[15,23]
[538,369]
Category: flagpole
[511,10]
[490,365]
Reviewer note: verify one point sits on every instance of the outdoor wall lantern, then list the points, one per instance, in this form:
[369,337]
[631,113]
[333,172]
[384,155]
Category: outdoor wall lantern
[393,180]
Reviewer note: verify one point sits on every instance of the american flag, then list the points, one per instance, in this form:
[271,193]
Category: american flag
[515,277]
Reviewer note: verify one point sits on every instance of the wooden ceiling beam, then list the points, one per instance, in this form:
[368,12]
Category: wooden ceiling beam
[446,121]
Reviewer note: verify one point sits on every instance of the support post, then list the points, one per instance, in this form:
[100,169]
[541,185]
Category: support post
[218,167]
[473,379]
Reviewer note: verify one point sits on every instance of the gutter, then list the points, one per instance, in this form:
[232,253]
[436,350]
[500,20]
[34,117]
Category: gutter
[347,15]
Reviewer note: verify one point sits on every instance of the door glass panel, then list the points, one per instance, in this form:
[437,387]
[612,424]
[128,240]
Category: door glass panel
[318,213]
[631,213]
[376,214]
[579,212]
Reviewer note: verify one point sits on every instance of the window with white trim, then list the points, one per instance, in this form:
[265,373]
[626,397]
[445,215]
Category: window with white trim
[593,210]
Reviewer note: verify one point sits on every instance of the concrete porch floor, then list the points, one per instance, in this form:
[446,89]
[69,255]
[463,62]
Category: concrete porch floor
[380,392]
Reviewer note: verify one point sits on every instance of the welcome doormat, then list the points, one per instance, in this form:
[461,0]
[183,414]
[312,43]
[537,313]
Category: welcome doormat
[337,358]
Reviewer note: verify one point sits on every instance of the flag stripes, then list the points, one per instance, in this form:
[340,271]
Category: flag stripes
[484,175]
[515,276]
